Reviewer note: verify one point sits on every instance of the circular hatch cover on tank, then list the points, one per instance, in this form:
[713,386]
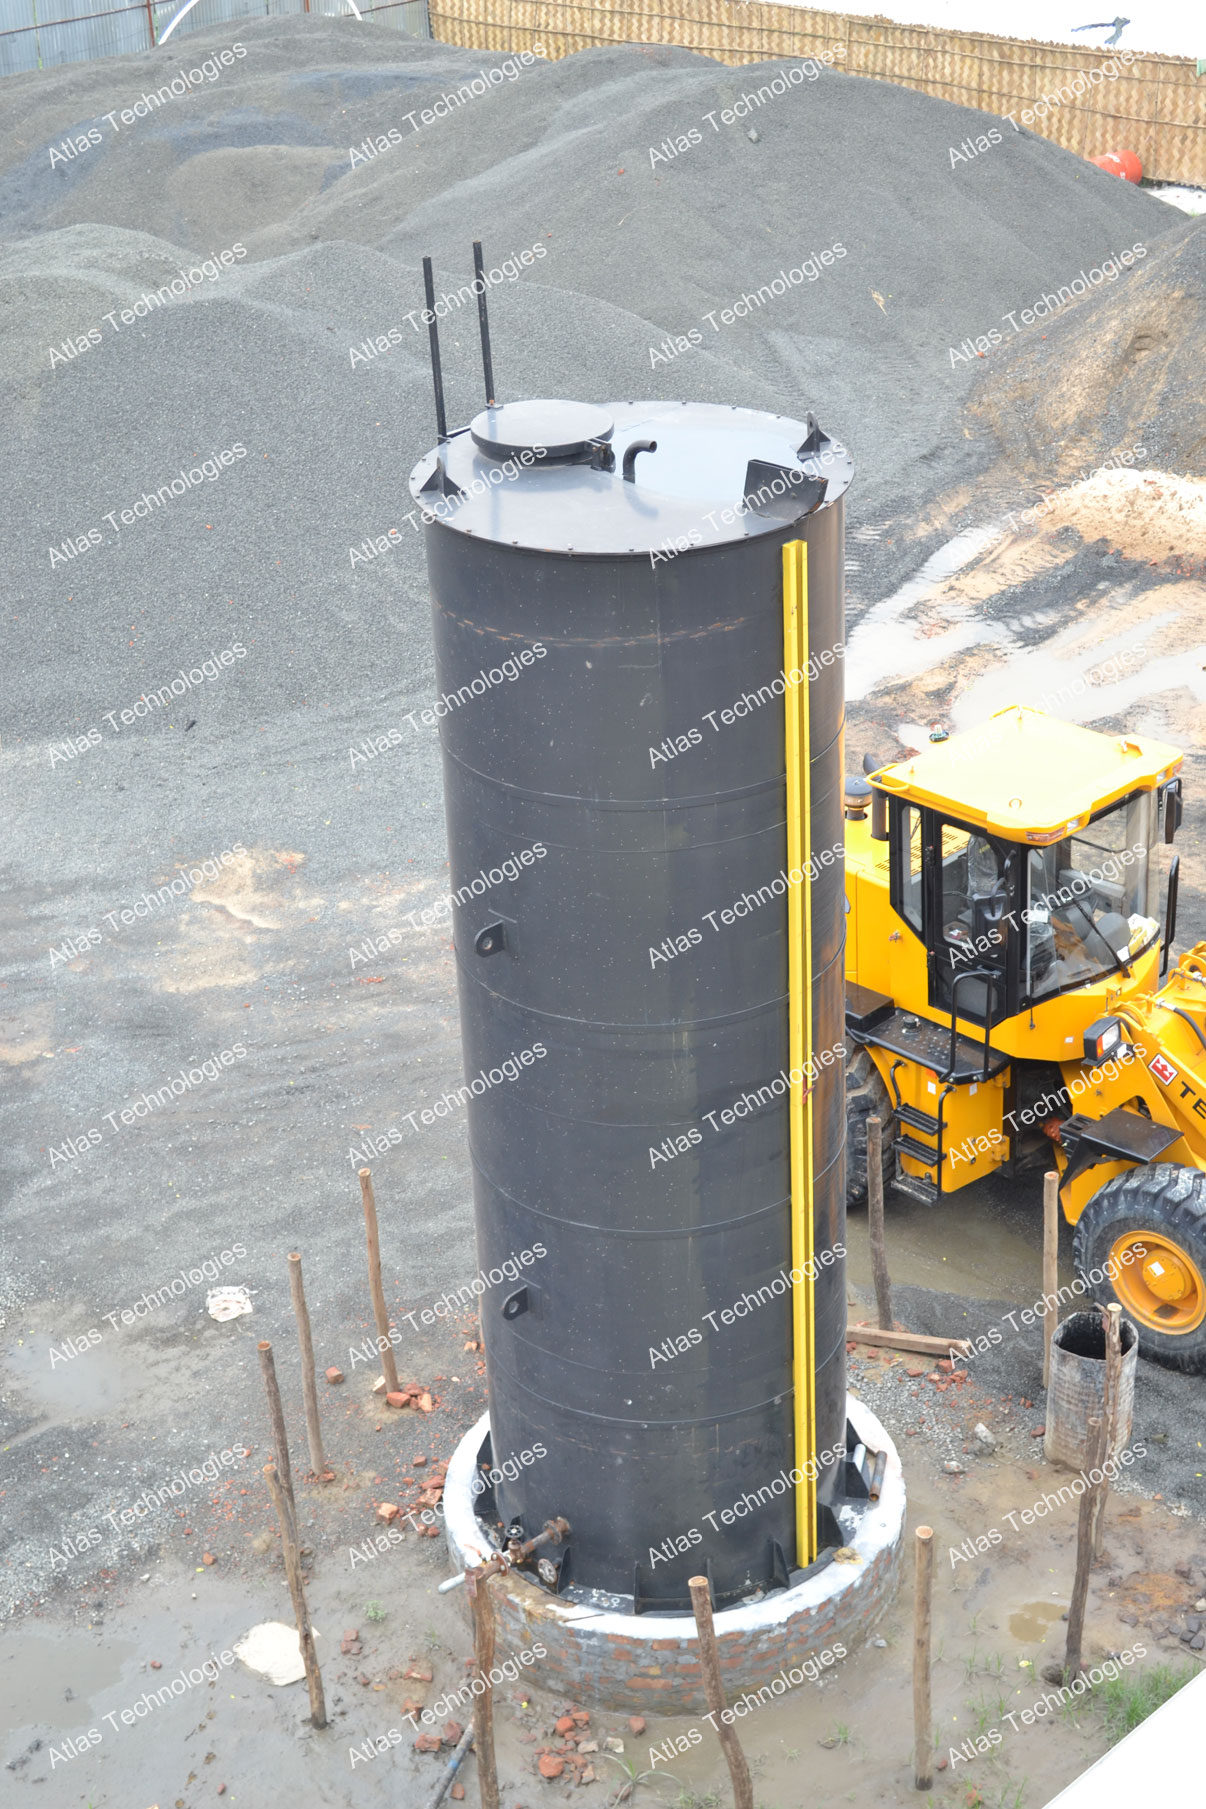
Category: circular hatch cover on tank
[560,430]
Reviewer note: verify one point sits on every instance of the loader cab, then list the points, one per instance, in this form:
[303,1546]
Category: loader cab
[1020,858]
[1006,924]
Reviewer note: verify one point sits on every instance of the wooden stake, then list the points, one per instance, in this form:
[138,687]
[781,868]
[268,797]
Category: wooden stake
[375,1289]
[483,1703]
[318,1462]
[318,1707]
[1050,1266]
[1112,1317]
[916,1341]
[1084,1559]
[277,1418]
[709,1660]
[875,1221]
[923,1595]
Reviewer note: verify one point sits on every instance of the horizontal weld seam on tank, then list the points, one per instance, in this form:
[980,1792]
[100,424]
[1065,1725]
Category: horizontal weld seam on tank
[644,1028]
[704,1228]
[635,1419]
[579,802]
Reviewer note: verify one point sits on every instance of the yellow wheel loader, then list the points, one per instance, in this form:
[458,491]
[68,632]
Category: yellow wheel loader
[1009,1005]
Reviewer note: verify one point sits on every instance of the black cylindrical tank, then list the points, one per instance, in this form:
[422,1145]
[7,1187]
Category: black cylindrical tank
[607,593]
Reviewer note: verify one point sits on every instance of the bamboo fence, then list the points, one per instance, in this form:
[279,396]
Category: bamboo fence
[1152,105]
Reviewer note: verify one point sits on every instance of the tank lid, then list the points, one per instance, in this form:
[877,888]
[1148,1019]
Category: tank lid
[556,430]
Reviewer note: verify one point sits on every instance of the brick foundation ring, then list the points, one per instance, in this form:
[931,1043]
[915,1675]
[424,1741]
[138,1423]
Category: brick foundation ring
[648,1663]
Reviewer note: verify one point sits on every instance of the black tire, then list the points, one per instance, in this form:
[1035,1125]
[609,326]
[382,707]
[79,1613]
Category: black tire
[866,1097]
[1161,1197]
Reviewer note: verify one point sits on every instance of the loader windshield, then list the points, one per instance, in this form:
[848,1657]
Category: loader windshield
[1090,906]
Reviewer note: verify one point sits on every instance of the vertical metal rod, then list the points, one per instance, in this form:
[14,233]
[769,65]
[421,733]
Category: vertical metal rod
[483,323]
[380,1311]
[483,1704]
[875,1222]
[1050,1266]
[433,339]
[1084,1558]
[709,1664]
[277,1418]
[923,1599]
[305,1633]
[318,1462]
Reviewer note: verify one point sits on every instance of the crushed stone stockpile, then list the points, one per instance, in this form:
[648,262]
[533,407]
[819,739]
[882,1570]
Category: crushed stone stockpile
[891,236]
[1121,371]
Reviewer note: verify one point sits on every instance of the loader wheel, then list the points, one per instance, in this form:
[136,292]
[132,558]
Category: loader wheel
[866,1097]
[1144,1236]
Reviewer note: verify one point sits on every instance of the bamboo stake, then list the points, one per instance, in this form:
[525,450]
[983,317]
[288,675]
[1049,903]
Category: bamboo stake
[1112,1317]
[1084,1559]
[375,1289]
[923,1608]
[277,1418]
[318,1707]
[1050,1265]
[709,1660]
[483,1703]
[875,1222]
[318,1462]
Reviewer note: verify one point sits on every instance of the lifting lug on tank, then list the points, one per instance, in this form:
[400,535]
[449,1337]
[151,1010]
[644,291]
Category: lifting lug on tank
[517,1552]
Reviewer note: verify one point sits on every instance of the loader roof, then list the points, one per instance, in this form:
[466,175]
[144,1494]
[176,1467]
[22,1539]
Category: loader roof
[1028,776]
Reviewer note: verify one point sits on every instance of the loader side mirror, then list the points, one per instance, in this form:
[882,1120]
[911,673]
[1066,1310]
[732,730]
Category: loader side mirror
[1170,804]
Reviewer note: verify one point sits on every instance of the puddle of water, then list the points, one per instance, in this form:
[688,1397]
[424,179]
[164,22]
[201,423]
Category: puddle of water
[49,1682]
[76,1389]
[882,646]
[1063,687]
[1030,1622]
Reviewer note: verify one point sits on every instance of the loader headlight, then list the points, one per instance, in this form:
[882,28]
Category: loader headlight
[1101,1038]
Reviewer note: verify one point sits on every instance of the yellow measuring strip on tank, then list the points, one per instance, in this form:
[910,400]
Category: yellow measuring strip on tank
[799,987]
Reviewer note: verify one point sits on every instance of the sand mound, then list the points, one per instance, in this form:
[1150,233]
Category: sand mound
[1121,370]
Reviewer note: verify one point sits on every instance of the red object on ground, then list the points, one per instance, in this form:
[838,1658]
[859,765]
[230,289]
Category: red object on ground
[1120,163]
